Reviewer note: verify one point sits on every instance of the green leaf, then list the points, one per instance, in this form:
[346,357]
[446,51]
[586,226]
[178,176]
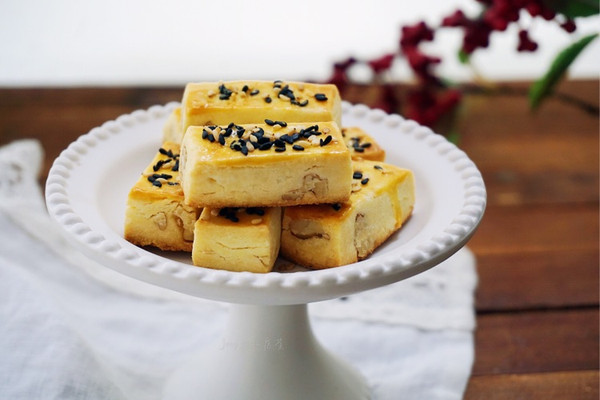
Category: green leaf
[453,137]
[574,8]
[544,86]
[463,57]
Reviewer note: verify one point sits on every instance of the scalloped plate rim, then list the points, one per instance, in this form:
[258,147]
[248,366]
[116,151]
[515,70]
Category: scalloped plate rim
[385,267]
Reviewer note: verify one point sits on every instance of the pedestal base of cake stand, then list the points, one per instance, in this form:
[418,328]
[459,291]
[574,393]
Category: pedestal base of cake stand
[266,352]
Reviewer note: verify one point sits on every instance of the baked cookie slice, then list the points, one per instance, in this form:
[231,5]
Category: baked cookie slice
[217,103]
[237,239]
[155,214]
[361,145]
[172,130]
[272,164]
[330,235]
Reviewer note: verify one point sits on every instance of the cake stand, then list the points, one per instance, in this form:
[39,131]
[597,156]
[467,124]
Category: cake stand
[267,350]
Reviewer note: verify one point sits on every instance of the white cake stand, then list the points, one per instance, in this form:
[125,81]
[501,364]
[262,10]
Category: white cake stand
[268,350]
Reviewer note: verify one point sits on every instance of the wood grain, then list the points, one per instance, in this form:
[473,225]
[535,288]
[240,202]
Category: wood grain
[579,385]
[536,341]
[543,279]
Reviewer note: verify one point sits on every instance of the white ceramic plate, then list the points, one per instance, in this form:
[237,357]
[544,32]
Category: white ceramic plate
[88,184]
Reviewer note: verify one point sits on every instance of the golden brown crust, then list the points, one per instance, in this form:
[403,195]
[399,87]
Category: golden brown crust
[156,214]
[216,103]
[362,146]
[265,165]
[325,236]
[237,239]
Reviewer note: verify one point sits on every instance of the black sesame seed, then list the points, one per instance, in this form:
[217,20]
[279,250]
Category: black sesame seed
[222,139]
[365,145]
[279,143]
[167,153]
[225,93]
[268,99]
[298,147]
[359,149]
[311,130]
[287,138]
[157,183]
[320,97]
[255,211]
[254,92]
[176,166]
[295,136]
[263,140]
[172,183]
[207,135]
[244,150]
[287,92]
[280,149]
[245,88]
[229,213]
[270,122]
[159,164]
[265,146]
[301,103]
[324,142]
[365,181]
[336,206]
[357,175]
[379,167]
[258,133]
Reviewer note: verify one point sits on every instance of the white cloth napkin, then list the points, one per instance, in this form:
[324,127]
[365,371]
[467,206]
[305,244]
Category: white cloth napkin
[73,329]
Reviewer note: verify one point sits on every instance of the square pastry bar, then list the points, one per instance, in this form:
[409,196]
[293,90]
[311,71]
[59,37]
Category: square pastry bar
[330,235]
[237,239]
[265,165]
[217,103]
[155,214]
[361,145]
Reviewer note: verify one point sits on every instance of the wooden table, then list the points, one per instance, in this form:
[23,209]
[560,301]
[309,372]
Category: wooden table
[537,248]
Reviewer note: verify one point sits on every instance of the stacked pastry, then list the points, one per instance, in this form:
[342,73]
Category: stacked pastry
[250,170]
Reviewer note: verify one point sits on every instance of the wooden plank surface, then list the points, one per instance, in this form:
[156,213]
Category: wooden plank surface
[536,341]
[537,247]
[579,385]
[554,278]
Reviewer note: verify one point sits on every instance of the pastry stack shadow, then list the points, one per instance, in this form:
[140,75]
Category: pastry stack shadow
[249,171]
